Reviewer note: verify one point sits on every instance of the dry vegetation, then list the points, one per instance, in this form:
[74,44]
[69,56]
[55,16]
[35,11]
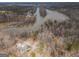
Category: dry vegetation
[52,39]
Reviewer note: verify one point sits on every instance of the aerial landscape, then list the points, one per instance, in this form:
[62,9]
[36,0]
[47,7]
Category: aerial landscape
[39,29]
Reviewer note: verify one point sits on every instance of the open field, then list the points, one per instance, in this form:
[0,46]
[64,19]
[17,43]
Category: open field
[39,31]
